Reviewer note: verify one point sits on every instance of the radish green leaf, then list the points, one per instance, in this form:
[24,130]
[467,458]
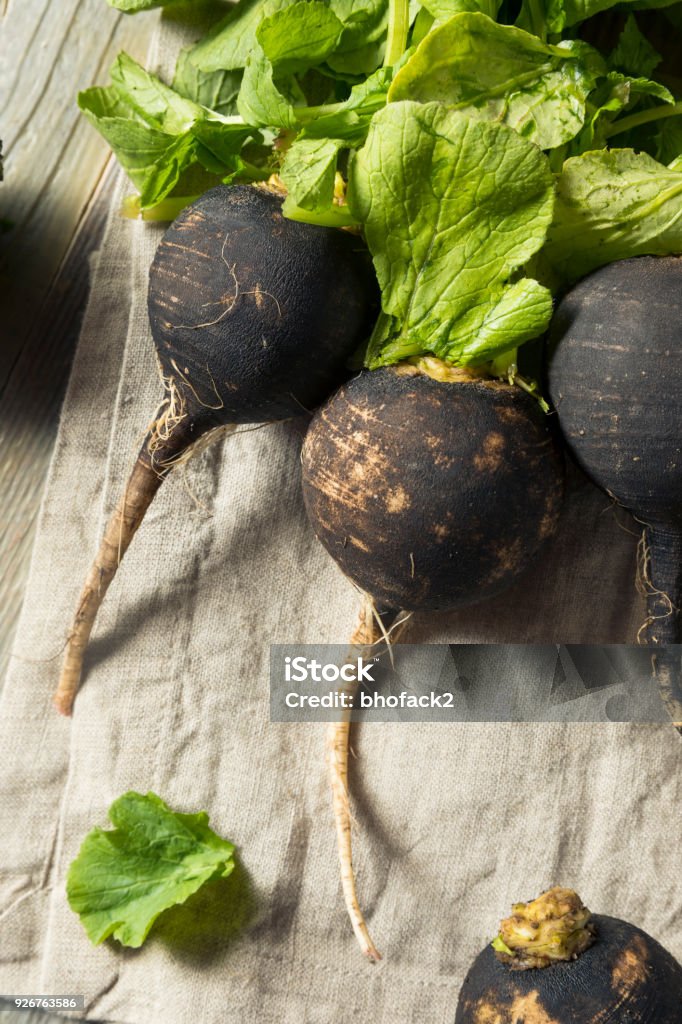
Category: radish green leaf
[260,102]
[229,44]
[300,36]
[154,858]
[452,209]
[634,54]
[503,74]
[612,205]
[217,90]
[562,14]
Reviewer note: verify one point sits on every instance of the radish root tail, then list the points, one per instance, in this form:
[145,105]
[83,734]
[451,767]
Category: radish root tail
[173,438]
[369,631]
[141,488]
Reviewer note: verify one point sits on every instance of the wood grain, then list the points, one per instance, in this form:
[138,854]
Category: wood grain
[55,197]
[58,177]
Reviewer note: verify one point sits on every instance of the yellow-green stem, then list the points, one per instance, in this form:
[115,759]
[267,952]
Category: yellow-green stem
[398,27]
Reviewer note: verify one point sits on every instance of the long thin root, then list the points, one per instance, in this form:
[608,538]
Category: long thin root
[369,632]
[142,486]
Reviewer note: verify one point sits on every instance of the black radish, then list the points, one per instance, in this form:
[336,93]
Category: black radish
[554,962]
[431,493]
[253,318]
[615,378]
[431,487]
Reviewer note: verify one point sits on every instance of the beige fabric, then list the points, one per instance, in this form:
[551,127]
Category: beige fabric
[454,822]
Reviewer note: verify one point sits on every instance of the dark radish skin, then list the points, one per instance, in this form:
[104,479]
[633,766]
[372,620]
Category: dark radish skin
[622,976]
[615,378]
[253,318]
[429,493]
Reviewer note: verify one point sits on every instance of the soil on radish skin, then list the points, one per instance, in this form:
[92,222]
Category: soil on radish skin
[431,494]
[625,975]
[217,300]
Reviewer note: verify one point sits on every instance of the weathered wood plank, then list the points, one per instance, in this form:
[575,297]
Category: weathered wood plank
[53,196]
[53,157]
[30,409]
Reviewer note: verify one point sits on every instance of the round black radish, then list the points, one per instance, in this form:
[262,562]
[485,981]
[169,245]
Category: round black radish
[431,494]
[615,378]
[253,317]
[622,977]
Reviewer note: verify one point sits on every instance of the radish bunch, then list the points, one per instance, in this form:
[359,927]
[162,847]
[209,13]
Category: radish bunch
[474,158]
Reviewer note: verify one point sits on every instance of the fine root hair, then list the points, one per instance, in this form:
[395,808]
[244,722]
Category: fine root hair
[646,589]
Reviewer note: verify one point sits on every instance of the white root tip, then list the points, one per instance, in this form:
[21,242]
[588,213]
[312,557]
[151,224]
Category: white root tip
[369,631]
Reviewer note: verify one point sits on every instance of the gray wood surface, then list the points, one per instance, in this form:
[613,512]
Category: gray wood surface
[53,204]
[54,198]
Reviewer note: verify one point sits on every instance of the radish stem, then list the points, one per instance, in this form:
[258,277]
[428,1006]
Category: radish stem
[644,117]
[398,27]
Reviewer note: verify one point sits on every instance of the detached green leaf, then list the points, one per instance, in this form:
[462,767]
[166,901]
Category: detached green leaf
[610,206]
[452,208]
[501,73]
[299,37]
[154,858]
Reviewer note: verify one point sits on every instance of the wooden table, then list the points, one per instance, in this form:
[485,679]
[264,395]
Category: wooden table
[53,205]
[52,208]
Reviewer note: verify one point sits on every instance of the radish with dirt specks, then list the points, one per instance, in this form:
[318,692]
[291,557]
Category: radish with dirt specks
[432,483]
[429,492]
[555,961]
[253,318]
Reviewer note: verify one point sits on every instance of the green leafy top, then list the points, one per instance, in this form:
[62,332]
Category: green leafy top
[412,122]
[446,245]
[496,72]
[154,858]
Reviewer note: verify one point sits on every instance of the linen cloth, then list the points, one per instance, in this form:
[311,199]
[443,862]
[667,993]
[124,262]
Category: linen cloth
[453,822]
